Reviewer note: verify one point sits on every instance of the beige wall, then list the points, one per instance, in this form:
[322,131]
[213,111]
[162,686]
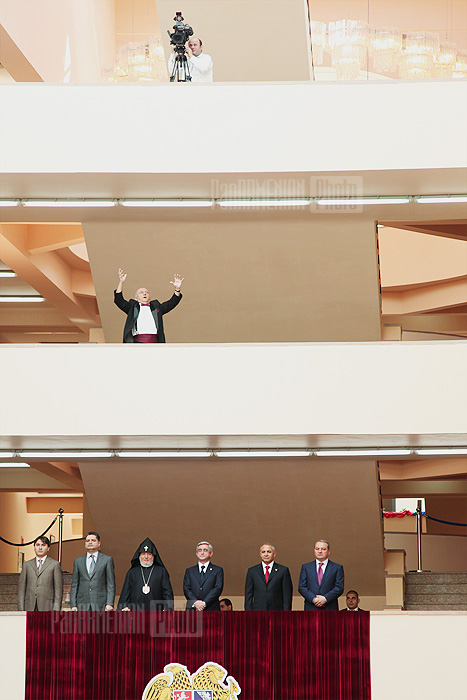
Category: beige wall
[439,552]
[17,523]
[76,38]
[243,38]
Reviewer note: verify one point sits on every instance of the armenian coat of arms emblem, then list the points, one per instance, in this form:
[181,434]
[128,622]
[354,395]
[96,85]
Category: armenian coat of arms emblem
[209,682]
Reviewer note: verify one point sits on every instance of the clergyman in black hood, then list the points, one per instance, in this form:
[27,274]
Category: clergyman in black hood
[147,584]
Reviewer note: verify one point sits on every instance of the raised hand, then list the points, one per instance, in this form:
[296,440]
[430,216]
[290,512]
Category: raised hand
[177,283]
[121,275]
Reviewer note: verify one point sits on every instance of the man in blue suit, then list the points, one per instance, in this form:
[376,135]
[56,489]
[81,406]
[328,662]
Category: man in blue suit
[203,583]
[322,580]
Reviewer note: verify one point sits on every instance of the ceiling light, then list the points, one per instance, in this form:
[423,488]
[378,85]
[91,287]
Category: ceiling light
[370,452]
[442,199]
[166,453]
[64,454]
[165,202]
[262,453]
[9,202]
[7,455]
[13,465]
[335,201]
[290,202]
[9,299]
[7,273]
[68,202]
[447,451]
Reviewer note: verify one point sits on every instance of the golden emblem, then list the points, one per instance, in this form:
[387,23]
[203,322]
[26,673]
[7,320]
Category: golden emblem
[207,683]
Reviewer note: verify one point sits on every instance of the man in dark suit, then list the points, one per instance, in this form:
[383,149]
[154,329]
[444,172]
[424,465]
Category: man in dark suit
[40,584]
[353,602]
[203,583]
[268,585]
[93,581]
[322,580]
[144,322]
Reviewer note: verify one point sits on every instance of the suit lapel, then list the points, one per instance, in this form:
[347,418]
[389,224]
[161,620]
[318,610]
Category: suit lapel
[273,572]
[156,320]
[327,571]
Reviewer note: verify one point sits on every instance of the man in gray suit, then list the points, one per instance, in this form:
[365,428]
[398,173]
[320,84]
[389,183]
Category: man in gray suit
[93,582]
[40,584]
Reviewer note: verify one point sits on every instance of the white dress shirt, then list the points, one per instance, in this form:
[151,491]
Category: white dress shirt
[42,559]
[201,67]
[88,559]
[145,322]
[324,563]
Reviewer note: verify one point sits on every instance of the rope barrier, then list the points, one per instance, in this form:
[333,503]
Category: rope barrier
[25,544]
[446,522]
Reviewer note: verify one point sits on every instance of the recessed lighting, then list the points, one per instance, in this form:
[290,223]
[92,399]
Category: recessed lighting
[162,453]
[7,273]
[9,202]
[165,202]
[64,454]
[262,453]
[13,465]
[263,202]
[68,202]
[9,299]
[442,199]
[446,451]
[337,201]
[375,452]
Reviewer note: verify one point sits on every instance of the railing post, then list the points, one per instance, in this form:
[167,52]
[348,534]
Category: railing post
[419,536]
[60,534]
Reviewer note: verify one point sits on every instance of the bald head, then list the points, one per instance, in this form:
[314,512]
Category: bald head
[142,295]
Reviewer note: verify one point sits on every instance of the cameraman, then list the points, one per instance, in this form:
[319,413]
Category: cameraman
[200,64]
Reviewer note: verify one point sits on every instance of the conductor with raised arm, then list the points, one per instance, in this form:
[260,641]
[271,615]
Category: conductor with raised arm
[144,322]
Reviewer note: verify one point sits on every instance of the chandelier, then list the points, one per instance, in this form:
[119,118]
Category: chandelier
[385,48]
[318,41]
[139,62]
[349,43]
[354,44]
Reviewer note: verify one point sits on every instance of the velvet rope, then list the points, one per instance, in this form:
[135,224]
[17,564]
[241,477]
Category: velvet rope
[25,544]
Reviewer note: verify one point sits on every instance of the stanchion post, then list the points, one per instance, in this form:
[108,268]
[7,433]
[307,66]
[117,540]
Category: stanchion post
[419,536]
[60,534]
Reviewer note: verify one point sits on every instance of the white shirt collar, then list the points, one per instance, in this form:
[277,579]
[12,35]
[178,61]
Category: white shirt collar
[38,559]
[324,563]
[206,565]
[92,554]
[271,564]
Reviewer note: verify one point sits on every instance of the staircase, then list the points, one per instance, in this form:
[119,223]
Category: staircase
[9,592]
[435,591]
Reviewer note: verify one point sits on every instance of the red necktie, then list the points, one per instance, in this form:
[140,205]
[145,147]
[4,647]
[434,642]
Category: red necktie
[144,304]
[320,573]
[266,575]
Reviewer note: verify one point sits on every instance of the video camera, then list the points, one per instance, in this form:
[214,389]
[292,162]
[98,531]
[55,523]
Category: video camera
[181,33]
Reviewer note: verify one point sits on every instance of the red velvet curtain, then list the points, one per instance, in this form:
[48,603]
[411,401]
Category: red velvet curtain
[272,655]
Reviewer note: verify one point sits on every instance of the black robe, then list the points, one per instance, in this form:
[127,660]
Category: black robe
[160,597]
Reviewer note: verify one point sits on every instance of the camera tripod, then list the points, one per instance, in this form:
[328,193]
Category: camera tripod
[181,69]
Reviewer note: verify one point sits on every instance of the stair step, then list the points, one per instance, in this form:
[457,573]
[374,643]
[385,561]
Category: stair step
[435,577]
[438,606]
[437,598]
[8,607]
[436,588]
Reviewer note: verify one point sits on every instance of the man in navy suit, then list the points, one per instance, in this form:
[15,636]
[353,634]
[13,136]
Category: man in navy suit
[322,580]
[203,583]
[268,585]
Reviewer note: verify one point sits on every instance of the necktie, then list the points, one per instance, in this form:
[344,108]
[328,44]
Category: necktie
[202,573]
[320,573]
[266,575]
[92,564]
[39,566]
